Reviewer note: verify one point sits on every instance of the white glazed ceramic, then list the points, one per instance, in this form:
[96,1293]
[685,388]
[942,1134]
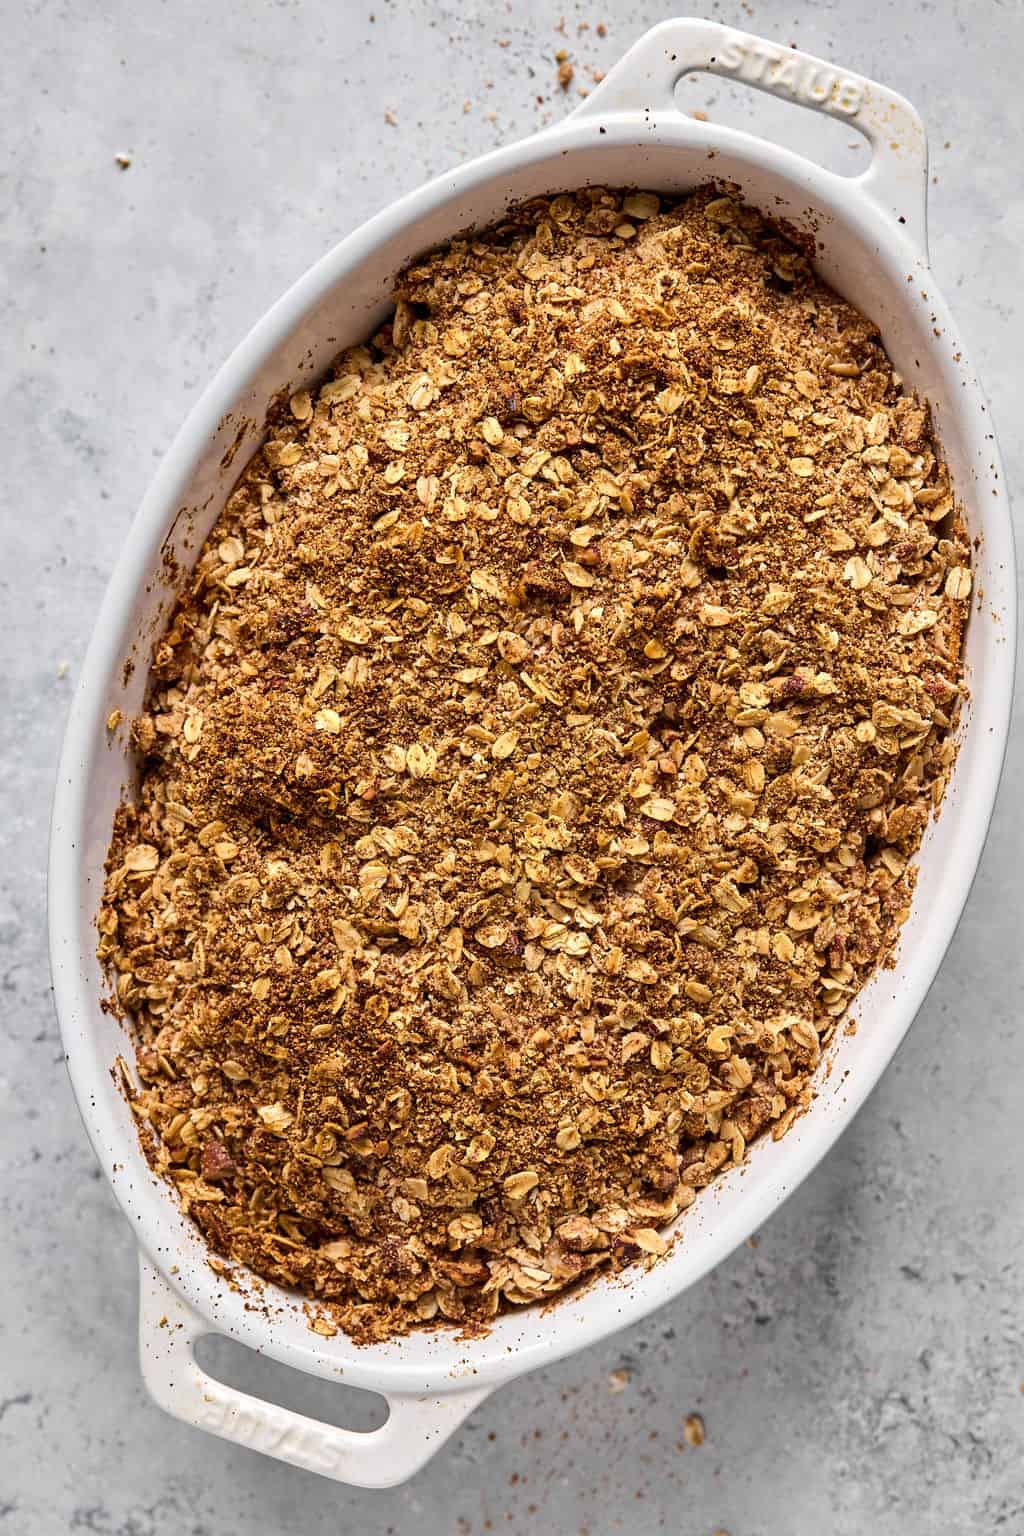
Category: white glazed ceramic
[872,249]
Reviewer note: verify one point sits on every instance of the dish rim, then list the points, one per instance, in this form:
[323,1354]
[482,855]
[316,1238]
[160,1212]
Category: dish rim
[606,1305]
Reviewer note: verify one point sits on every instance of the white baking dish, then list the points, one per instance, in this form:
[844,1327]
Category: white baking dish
[871,232]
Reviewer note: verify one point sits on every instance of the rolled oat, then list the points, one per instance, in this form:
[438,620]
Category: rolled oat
[533,762]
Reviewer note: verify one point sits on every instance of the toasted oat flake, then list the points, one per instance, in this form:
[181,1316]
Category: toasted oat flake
[958,583]
[650,1241]
[533,766]
[141,859]
[275,1117]
[857,572]
[915,621]
[670,399]
[576,575]
[323,1326]
[517,1185]
[641,205]
[660,809]
[714,616]
[807,383]
[504,745]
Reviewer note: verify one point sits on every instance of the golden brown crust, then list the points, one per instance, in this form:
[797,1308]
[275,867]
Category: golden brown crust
[533,762]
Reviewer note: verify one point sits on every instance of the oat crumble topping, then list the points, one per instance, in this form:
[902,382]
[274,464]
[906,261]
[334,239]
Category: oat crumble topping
[532,764]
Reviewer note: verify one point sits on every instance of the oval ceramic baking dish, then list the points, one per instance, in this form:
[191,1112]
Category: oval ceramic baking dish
[871,235]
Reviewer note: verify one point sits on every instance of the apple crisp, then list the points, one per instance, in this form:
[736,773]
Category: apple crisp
[532,763]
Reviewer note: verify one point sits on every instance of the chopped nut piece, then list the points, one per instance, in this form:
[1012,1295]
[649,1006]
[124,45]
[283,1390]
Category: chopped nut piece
[217,1162]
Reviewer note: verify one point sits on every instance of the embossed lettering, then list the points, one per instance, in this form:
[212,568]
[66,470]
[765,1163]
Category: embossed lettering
[789,75]
[818,86]
[247,1427]
[313,1448]
[272,1432]
[760,55]
[849,98]
[786,72]
[214,1414]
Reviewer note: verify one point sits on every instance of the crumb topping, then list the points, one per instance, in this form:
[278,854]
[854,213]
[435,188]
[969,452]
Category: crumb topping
[532,763]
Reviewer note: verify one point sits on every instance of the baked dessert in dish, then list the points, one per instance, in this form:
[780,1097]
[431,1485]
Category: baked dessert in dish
[533,762]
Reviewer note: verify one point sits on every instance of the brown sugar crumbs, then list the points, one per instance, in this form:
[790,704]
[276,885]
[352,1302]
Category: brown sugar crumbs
[531,767]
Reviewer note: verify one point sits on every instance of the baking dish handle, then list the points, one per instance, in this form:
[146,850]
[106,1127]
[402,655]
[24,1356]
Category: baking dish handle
[416,1426]
[645,80]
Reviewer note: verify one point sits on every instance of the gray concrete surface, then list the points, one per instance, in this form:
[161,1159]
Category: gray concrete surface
[861,1368]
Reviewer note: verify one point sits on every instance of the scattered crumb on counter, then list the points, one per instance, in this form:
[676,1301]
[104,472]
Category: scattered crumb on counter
[693,1429]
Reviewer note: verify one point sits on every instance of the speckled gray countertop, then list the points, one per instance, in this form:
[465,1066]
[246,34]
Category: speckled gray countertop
[860,1368]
